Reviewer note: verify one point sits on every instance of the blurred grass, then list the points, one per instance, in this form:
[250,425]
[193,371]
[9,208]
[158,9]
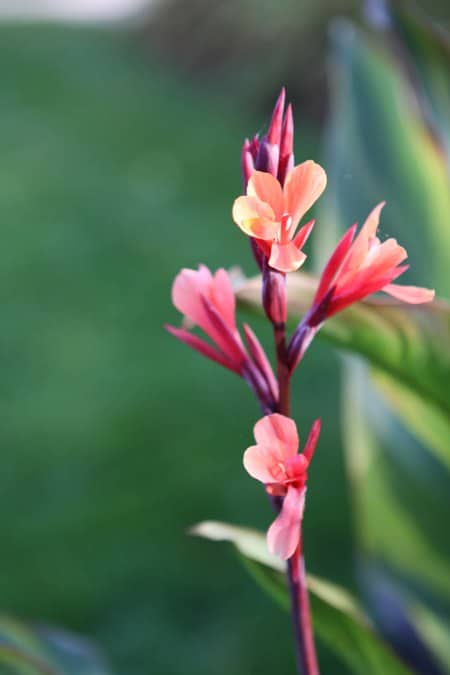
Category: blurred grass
[114,437]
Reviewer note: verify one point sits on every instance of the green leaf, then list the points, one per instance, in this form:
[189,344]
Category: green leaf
[408,345]
[386,142]
[46,651]
[378,148]
[426,48]
[428,422]
[15,662]
[338,620]
[433,629]
[397,514]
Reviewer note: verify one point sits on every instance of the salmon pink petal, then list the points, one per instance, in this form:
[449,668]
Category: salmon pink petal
[267,189]
[381,261]
[370,227]
[303,186]
[286,257]
[261,463]
[222,296]
[187,290]
[203,277]
[283,536]
[385,256]
[275,430]
[360,247]
[255,218]
[412,294]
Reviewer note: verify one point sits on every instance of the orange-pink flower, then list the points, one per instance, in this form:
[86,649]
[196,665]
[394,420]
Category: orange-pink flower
[275,461]
[270,212]
[364,266]
[208,301]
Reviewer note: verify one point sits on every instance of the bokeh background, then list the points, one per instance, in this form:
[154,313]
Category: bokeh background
[120,139]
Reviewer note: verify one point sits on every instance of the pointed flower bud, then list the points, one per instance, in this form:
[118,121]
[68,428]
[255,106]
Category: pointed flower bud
[275,461]
[286,161]
[269,148]
[274,153]
[248,158]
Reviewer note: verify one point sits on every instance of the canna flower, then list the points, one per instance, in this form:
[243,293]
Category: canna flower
[208,301]
[270,213]
[363,266]
[275,461]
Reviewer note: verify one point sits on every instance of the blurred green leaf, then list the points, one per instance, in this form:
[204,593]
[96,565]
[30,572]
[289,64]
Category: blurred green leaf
[386,142]
[409,345]
[72,654]
[429,423]
[46,651]
[379,147]
[15,662]
[397,514]
[433,629]
[425,46]
[338,620]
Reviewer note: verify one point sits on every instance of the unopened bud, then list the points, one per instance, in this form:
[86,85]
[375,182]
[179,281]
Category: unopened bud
[267,158]
[247,163]
[276,123]
[286,162]
[274,296]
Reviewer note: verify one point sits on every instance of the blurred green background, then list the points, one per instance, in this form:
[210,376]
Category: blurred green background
[118,166]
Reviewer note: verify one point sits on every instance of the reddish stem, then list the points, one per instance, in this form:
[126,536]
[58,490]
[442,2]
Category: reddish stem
[284,377]
[301,614]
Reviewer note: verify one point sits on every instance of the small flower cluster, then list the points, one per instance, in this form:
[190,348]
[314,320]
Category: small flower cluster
[277,196]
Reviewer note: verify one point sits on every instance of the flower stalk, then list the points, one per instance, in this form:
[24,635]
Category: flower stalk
[305,649]
[277,196]
[301,615]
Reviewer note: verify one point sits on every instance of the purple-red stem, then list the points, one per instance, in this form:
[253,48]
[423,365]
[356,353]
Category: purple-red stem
[301,614]
[284,378]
